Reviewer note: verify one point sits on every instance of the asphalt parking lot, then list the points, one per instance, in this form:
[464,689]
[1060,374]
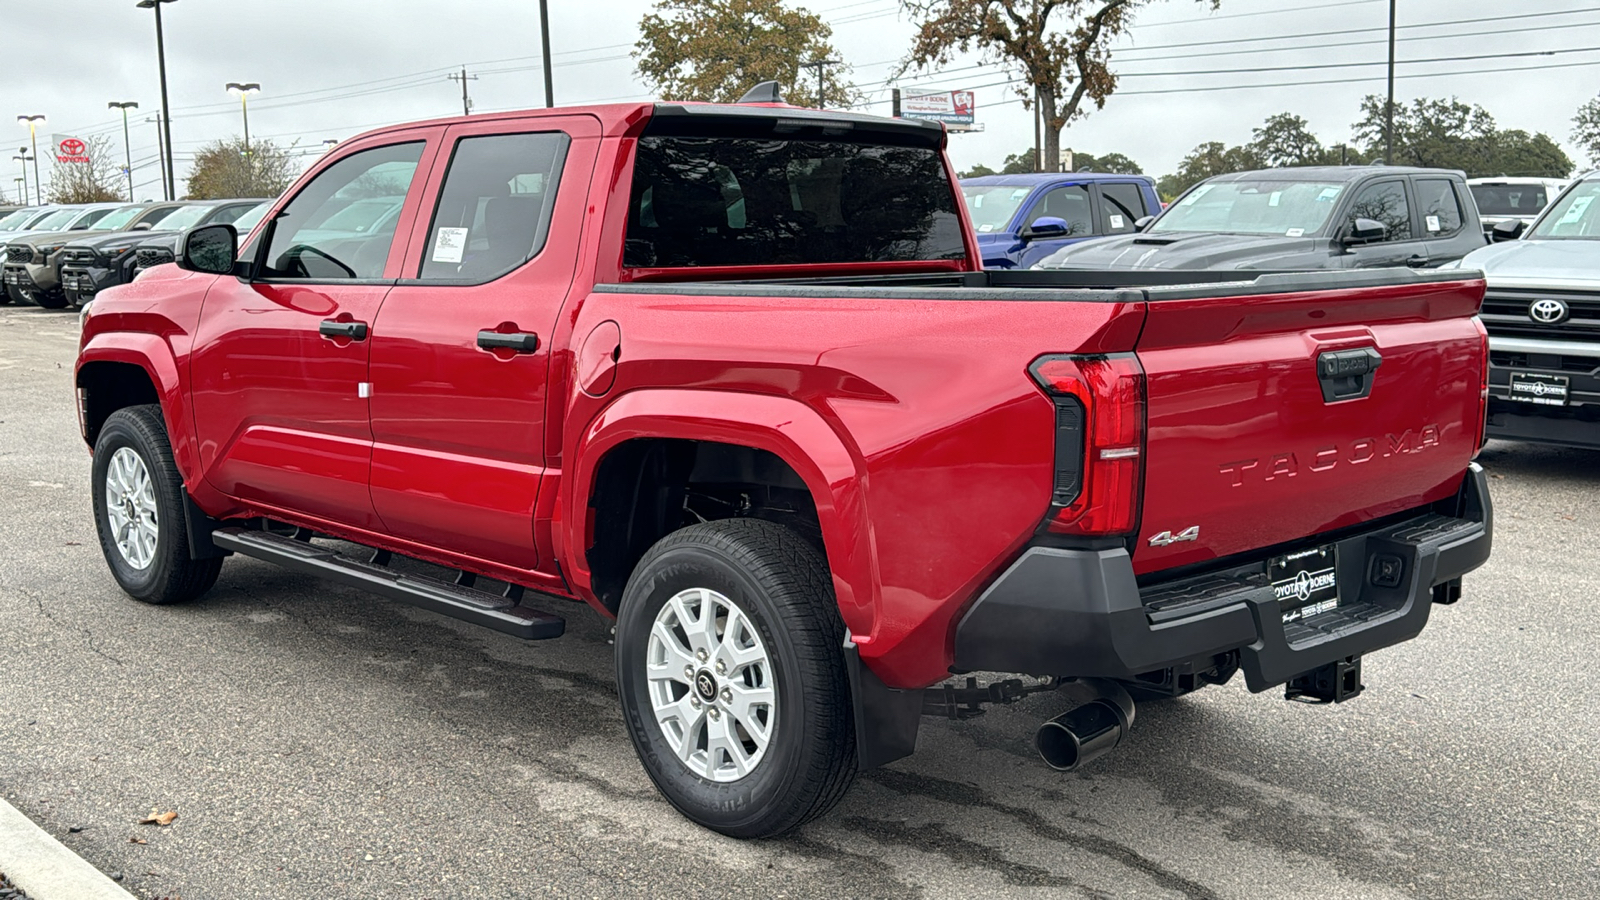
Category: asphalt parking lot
[320,742]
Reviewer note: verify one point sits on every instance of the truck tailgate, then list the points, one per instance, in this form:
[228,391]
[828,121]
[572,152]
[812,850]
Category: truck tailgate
[1262,428]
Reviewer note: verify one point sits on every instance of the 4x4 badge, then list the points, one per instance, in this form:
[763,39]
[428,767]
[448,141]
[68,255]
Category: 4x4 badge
[1192,533]
[1547,311]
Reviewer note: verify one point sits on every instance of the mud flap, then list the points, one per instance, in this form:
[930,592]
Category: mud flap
[886,719]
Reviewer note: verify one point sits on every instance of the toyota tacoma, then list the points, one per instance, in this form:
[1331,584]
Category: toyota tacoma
[733,377]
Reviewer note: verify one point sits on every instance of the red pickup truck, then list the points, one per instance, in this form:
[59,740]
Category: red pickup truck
[733,376]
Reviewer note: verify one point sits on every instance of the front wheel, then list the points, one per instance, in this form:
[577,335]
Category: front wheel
[731,670]
[139,511]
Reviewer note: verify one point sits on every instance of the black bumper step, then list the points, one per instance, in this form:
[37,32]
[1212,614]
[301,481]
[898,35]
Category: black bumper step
[503,613]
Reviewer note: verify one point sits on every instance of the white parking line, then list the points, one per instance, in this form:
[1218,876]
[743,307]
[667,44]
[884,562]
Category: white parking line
[46,870]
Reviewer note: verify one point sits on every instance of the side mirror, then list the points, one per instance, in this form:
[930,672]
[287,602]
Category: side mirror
[1366,231]
[1045,227]
[1508,230]
[1143,222]
[213,249]
[142,226]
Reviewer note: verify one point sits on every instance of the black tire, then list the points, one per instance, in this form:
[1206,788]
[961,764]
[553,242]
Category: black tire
[171,576]
[782,586]
[56,299]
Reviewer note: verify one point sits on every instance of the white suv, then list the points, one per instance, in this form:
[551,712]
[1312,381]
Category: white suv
[1512,199]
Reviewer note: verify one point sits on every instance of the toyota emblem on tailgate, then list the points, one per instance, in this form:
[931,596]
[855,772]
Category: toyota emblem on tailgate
[1547,311]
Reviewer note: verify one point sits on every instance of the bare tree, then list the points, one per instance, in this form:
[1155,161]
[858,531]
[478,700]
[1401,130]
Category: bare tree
[222,170]
[1060,48]
[97,181]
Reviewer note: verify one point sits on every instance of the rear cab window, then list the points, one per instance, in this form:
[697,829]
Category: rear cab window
[1121,204]
[788,200]
[1439,207]
[494,211]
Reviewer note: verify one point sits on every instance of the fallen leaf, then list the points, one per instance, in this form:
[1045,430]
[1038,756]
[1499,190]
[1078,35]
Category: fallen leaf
[137,840]
[159,818]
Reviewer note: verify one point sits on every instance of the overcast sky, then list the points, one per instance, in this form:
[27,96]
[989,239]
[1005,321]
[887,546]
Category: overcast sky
[333,68]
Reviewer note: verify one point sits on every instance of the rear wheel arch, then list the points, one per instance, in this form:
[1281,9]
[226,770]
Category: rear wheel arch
[751,434]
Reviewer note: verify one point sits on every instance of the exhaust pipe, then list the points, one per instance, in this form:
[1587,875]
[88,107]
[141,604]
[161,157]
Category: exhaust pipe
[1082,735]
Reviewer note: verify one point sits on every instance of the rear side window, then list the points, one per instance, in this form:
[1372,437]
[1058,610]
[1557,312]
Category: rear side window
[746,202]
[1070,204]
[227,215]
[1121,204]
[494,211]
[1384,202]
[1441,210]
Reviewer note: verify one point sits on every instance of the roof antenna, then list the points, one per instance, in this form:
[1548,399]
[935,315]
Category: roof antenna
[765,92]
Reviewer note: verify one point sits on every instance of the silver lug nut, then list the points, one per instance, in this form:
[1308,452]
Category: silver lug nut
[727,695]
[722,667]
[700,655]
[688,672]
[714,713]
[694,702]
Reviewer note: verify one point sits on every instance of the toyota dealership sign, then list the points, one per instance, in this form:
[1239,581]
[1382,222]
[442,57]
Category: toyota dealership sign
[71,149]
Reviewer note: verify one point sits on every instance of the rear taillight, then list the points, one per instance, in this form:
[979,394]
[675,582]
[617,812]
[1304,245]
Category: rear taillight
[1483,388]
[1099,441]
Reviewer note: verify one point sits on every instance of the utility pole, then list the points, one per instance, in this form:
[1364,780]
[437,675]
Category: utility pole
[544,41]
[1388,109]
[171,182]
[466,103]
[127,145]
[820,65]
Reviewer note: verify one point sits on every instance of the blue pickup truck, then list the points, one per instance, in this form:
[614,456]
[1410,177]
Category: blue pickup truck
[1021,219]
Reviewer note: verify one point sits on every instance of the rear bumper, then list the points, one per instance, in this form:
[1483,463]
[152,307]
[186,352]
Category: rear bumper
[1081,613]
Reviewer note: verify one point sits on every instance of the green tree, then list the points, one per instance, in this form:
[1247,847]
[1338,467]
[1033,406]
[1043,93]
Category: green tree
[1114,163]
[977,171]
[1061,49]
[1286,140]
[1515,152]
[222,170]
[99,180]
[1586,129]
[716,50]
[1019,163]
[1206,160]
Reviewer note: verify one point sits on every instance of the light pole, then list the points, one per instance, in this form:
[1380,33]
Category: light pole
[171,183]
[127,145]
[33,136]
[24,183]
[244,90]
[23,157]
[1388,107]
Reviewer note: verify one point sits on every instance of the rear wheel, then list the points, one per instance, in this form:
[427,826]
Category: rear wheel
[139,511]
[56,299]
[731,671]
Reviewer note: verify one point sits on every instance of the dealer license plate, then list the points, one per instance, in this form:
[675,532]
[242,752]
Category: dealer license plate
[1305,583]
[1537,387]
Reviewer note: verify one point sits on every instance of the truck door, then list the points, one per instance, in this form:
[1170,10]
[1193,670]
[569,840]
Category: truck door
[279,371]
[1387,202]
[1069,202]
[462,350]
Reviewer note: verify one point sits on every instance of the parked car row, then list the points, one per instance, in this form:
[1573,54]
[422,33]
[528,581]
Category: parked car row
[59,256]
[1532,238]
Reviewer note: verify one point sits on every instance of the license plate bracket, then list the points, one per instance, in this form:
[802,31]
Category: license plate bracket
[1305,583]
[1540,388]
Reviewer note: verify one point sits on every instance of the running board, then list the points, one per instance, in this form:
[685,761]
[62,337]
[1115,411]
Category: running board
[460,601]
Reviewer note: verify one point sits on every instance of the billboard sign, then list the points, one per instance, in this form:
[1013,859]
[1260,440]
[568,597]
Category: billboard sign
[949,107]
[70,149]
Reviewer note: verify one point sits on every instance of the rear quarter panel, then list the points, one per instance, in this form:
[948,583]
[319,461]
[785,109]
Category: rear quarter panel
[913,421]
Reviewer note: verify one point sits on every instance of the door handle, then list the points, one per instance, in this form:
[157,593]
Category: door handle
[494,340]
[1416,262]
[332,328]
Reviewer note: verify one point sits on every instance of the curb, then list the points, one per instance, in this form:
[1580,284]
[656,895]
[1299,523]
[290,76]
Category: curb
[44,868]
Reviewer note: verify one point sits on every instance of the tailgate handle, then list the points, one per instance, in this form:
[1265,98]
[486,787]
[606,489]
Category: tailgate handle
[1347,374]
